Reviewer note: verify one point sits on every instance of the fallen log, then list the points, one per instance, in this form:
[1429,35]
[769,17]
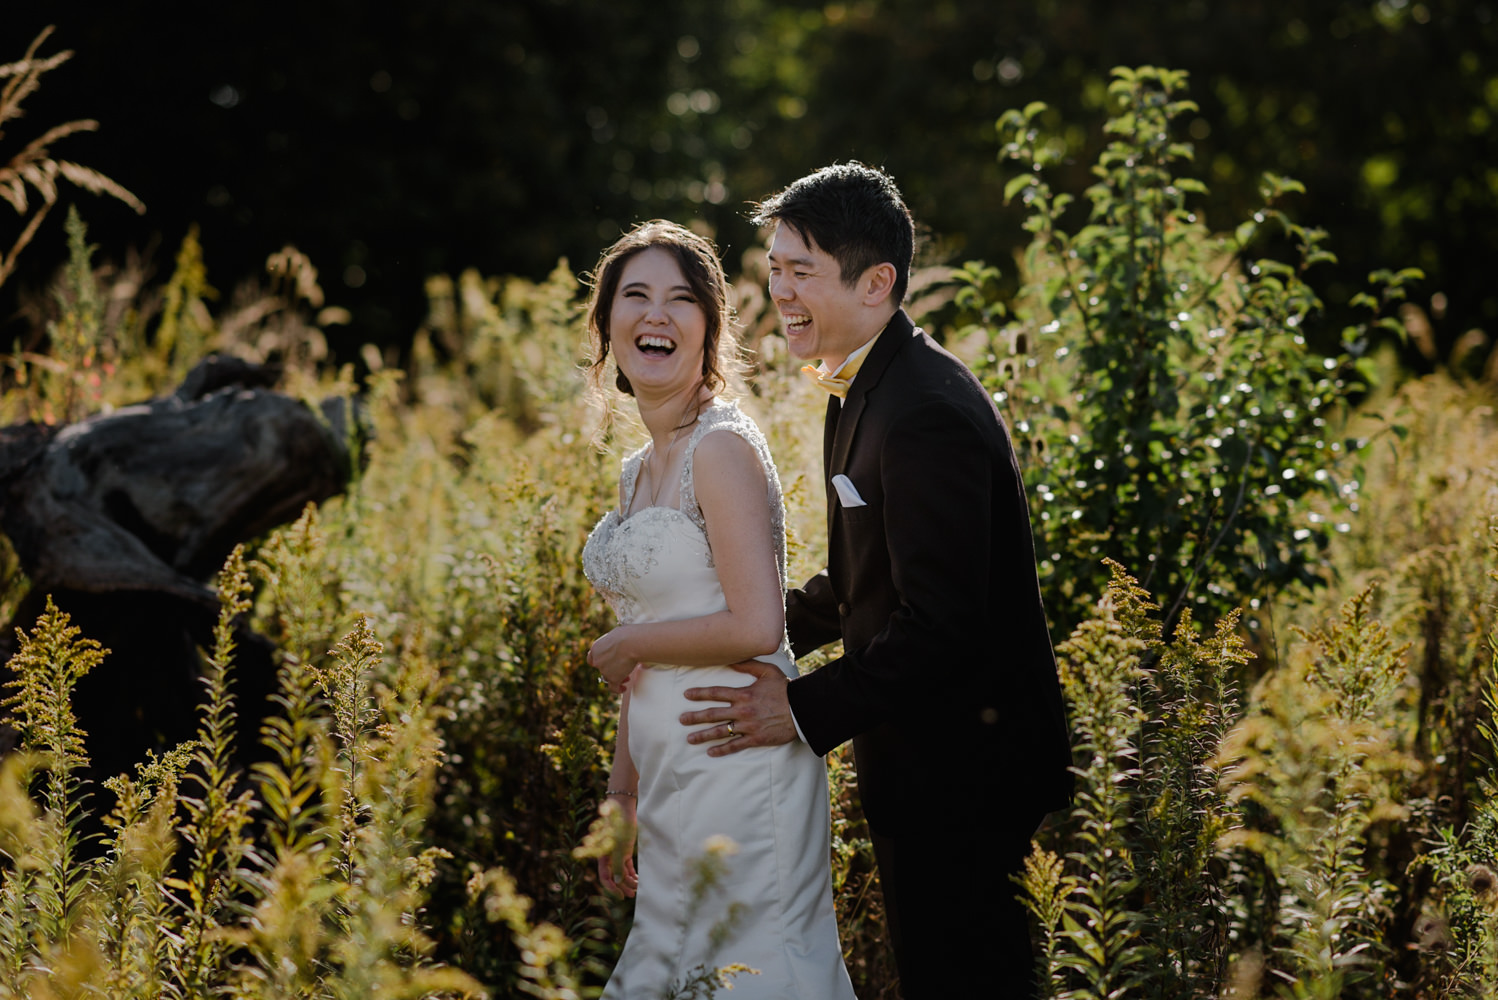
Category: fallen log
[124,518]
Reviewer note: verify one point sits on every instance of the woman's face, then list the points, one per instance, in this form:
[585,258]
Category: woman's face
[657,326]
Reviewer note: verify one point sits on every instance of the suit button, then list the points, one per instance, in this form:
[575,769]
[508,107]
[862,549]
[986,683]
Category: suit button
[843,609]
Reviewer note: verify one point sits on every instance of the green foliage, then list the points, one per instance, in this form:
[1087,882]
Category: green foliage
[182,335]
[1149,716]
[1464,927]
[1157,377]
[1317,762]
[328,910]
[66,384]
[1100,667]
[47,880]
[217,816]
[1169,413]
[1216,842]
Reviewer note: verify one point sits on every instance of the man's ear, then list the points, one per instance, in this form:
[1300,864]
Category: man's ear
[877,283]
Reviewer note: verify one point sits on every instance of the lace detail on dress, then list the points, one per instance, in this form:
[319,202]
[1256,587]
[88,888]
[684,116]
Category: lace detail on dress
[629,475]
[621,551]
[722,416]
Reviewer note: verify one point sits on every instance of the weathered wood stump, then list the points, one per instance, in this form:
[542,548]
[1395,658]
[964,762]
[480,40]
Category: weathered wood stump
[124,518]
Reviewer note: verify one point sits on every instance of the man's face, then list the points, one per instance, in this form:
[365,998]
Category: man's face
[822,315]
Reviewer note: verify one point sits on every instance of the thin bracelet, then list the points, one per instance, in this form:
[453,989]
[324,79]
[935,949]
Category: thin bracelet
[619,791]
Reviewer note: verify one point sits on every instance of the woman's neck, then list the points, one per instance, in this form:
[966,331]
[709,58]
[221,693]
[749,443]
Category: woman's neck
[665,416]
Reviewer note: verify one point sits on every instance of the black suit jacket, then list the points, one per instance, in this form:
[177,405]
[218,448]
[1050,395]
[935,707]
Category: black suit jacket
[947,684]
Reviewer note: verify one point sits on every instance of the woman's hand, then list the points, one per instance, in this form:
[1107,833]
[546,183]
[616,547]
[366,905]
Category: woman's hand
[616,870]
[609,657]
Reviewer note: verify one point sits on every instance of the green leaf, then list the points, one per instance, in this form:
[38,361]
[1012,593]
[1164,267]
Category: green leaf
[1017,184]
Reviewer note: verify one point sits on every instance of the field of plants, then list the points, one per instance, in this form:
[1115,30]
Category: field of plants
[1271,573]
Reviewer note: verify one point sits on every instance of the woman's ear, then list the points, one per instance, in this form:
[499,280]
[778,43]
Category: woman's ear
[878,283]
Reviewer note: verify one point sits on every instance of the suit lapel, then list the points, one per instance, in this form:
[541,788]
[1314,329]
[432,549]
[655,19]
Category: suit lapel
[829,432]
[890,342]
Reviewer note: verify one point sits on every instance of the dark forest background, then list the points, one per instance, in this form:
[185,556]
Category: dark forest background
[391,142]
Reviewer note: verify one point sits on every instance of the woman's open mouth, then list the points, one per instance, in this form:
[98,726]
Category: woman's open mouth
[659,347]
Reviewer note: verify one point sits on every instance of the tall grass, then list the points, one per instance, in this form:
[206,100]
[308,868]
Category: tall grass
[1304,810]
[180,901]
[1315,822]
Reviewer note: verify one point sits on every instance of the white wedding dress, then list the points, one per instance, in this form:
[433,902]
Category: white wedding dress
[771,802]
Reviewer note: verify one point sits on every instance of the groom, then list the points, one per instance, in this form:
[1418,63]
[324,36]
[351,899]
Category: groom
[947,684]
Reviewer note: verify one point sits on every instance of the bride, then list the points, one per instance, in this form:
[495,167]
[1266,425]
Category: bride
[693,563]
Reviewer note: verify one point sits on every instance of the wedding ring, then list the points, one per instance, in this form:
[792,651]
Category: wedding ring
[730,728]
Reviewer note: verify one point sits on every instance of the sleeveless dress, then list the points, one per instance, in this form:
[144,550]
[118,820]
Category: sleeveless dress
[775,886]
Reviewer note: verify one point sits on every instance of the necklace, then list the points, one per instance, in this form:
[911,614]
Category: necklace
[657,481]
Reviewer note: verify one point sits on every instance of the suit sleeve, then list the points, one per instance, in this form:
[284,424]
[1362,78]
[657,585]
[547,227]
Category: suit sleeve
[937,474]
[811,619]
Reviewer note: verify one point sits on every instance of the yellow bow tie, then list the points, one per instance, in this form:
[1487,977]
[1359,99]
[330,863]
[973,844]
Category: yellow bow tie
[834,384]
[837,384]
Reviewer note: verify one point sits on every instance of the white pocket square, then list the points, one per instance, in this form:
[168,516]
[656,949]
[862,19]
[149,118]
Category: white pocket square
[847,495]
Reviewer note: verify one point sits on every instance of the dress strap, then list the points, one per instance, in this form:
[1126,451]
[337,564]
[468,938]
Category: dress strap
[629,476]
[723,416]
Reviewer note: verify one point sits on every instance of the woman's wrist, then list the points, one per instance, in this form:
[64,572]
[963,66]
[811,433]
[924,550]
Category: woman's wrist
[627,636]
[621,791]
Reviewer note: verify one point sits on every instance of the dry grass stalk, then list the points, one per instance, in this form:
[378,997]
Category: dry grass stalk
[33,166]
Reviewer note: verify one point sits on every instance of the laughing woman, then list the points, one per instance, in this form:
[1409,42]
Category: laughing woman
[693,563]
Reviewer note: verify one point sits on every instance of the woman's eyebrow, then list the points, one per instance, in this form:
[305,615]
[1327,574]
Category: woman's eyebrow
[646,285]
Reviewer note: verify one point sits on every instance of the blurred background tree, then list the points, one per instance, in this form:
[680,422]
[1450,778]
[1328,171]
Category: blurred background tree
[431,137]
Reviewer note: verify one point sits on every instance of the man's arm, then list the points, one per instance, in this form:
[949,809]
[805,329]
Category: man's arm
[811,618]
[937,468]
[761,712]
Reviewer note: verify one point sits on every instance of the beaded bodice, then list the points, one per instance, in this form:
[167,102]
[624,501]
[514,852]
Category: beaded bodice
[657,564]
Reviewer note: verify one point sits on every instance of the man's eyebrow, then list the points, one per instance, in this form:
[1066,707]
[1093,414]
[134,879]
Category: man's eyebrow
[803,261]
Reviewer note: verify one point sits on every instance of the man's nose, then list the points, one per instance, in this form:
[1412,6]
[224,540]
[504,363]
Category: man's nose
[780,289]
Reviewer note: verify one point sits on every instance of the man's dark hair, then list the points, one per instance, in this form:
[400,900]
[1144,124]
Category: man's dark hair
[853,213]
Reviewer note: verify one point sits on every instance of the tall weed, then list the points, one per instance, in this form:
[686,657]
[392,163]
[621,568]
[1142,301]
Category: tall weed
[327,908]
